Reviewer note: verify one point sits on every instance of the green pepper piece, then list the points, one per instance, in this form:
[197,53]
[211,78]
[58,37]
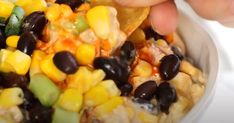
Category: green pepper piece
[14,24]
[44,89]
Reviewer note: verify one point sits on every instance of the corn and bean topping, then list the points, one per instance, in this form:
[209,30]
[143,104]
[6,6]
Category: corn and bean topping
[67,61]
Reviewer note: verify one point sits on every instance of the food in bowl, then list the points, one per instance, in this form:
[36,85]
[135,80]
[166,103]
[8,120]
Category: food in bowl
[91,62]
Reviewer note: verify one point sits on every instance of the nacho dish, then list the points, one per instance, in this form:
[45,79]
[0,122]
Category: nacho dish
[91,61]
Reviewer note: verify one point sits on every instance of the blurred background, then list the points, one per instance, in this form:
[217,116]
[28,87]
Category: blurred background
[222,106]
[221,109]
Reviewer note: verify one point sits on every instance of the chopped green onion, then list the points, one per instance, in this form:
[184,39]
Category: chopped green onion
[44,89]
[63,116]
[19,12]
[81,24]
[15,21]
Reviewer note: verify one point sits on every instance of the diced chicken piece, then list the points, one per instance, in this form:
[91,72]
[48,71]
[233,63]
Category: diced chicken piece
[164,118]
[11,115]
[197,92]
[179,109]
[195,73]
[182,82]
[151,53]
[119,115]
[88,36]
[163,46]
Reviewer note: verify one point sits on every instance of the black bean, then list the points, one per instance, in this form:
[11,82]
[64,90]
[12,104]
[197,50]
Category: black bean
[150,33]
[27,42]
[29,100]
[127,52]
[2,39]
[177,52]
[14,80]
[169,67]
[113,69]
[166,95]
[40,114]
[125,69]
[66,62]
[146,90]
[2,82]
[72,3]
[126,89]
[35,22]
[2,23]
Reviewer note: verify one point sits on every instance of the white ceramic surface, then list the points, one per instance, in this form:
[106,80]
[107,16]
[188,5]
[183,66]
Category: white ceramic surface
[201,48]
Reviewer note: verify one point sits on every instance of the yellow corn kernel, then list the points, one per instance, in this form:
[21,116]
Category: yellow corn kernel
[96,96]
[98,75]
[108,106]
[5,67]
[37,56]
[53,12]
[143,69]
[111,87]
[12,41]
[47,66]
[137,36]
[11,97]
[85,54]
[197,92]
[84,79]
[22,3]
[6,8]
[66,10]
[99,20]
[146,117]
[161,42]
[71,100]
[81,80]
[35,5]
[19,61]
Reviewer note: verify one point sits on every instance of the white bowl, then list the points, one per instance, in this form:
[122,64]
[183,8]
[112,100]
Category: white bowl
[200,45]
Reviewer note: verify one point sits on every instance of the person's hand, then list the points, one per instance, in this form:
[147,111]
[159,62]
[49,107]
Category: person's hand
[163,15]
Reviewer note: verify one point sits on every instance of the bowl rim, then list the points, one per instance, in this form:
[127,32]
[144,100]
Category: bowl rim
[199,108]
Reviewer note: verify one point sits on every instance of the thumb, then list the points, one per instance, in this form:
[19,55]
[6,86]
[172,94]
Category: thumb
[219,10]
[139,3]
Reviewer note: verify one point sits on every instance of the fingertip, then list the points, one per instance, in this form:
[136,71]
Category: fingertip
[139,3]
[163,17]
[123,2]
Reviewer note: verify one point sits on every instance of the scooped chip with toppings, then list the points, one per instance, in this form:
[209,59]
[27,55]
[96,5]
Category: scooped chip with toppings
[129,18]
